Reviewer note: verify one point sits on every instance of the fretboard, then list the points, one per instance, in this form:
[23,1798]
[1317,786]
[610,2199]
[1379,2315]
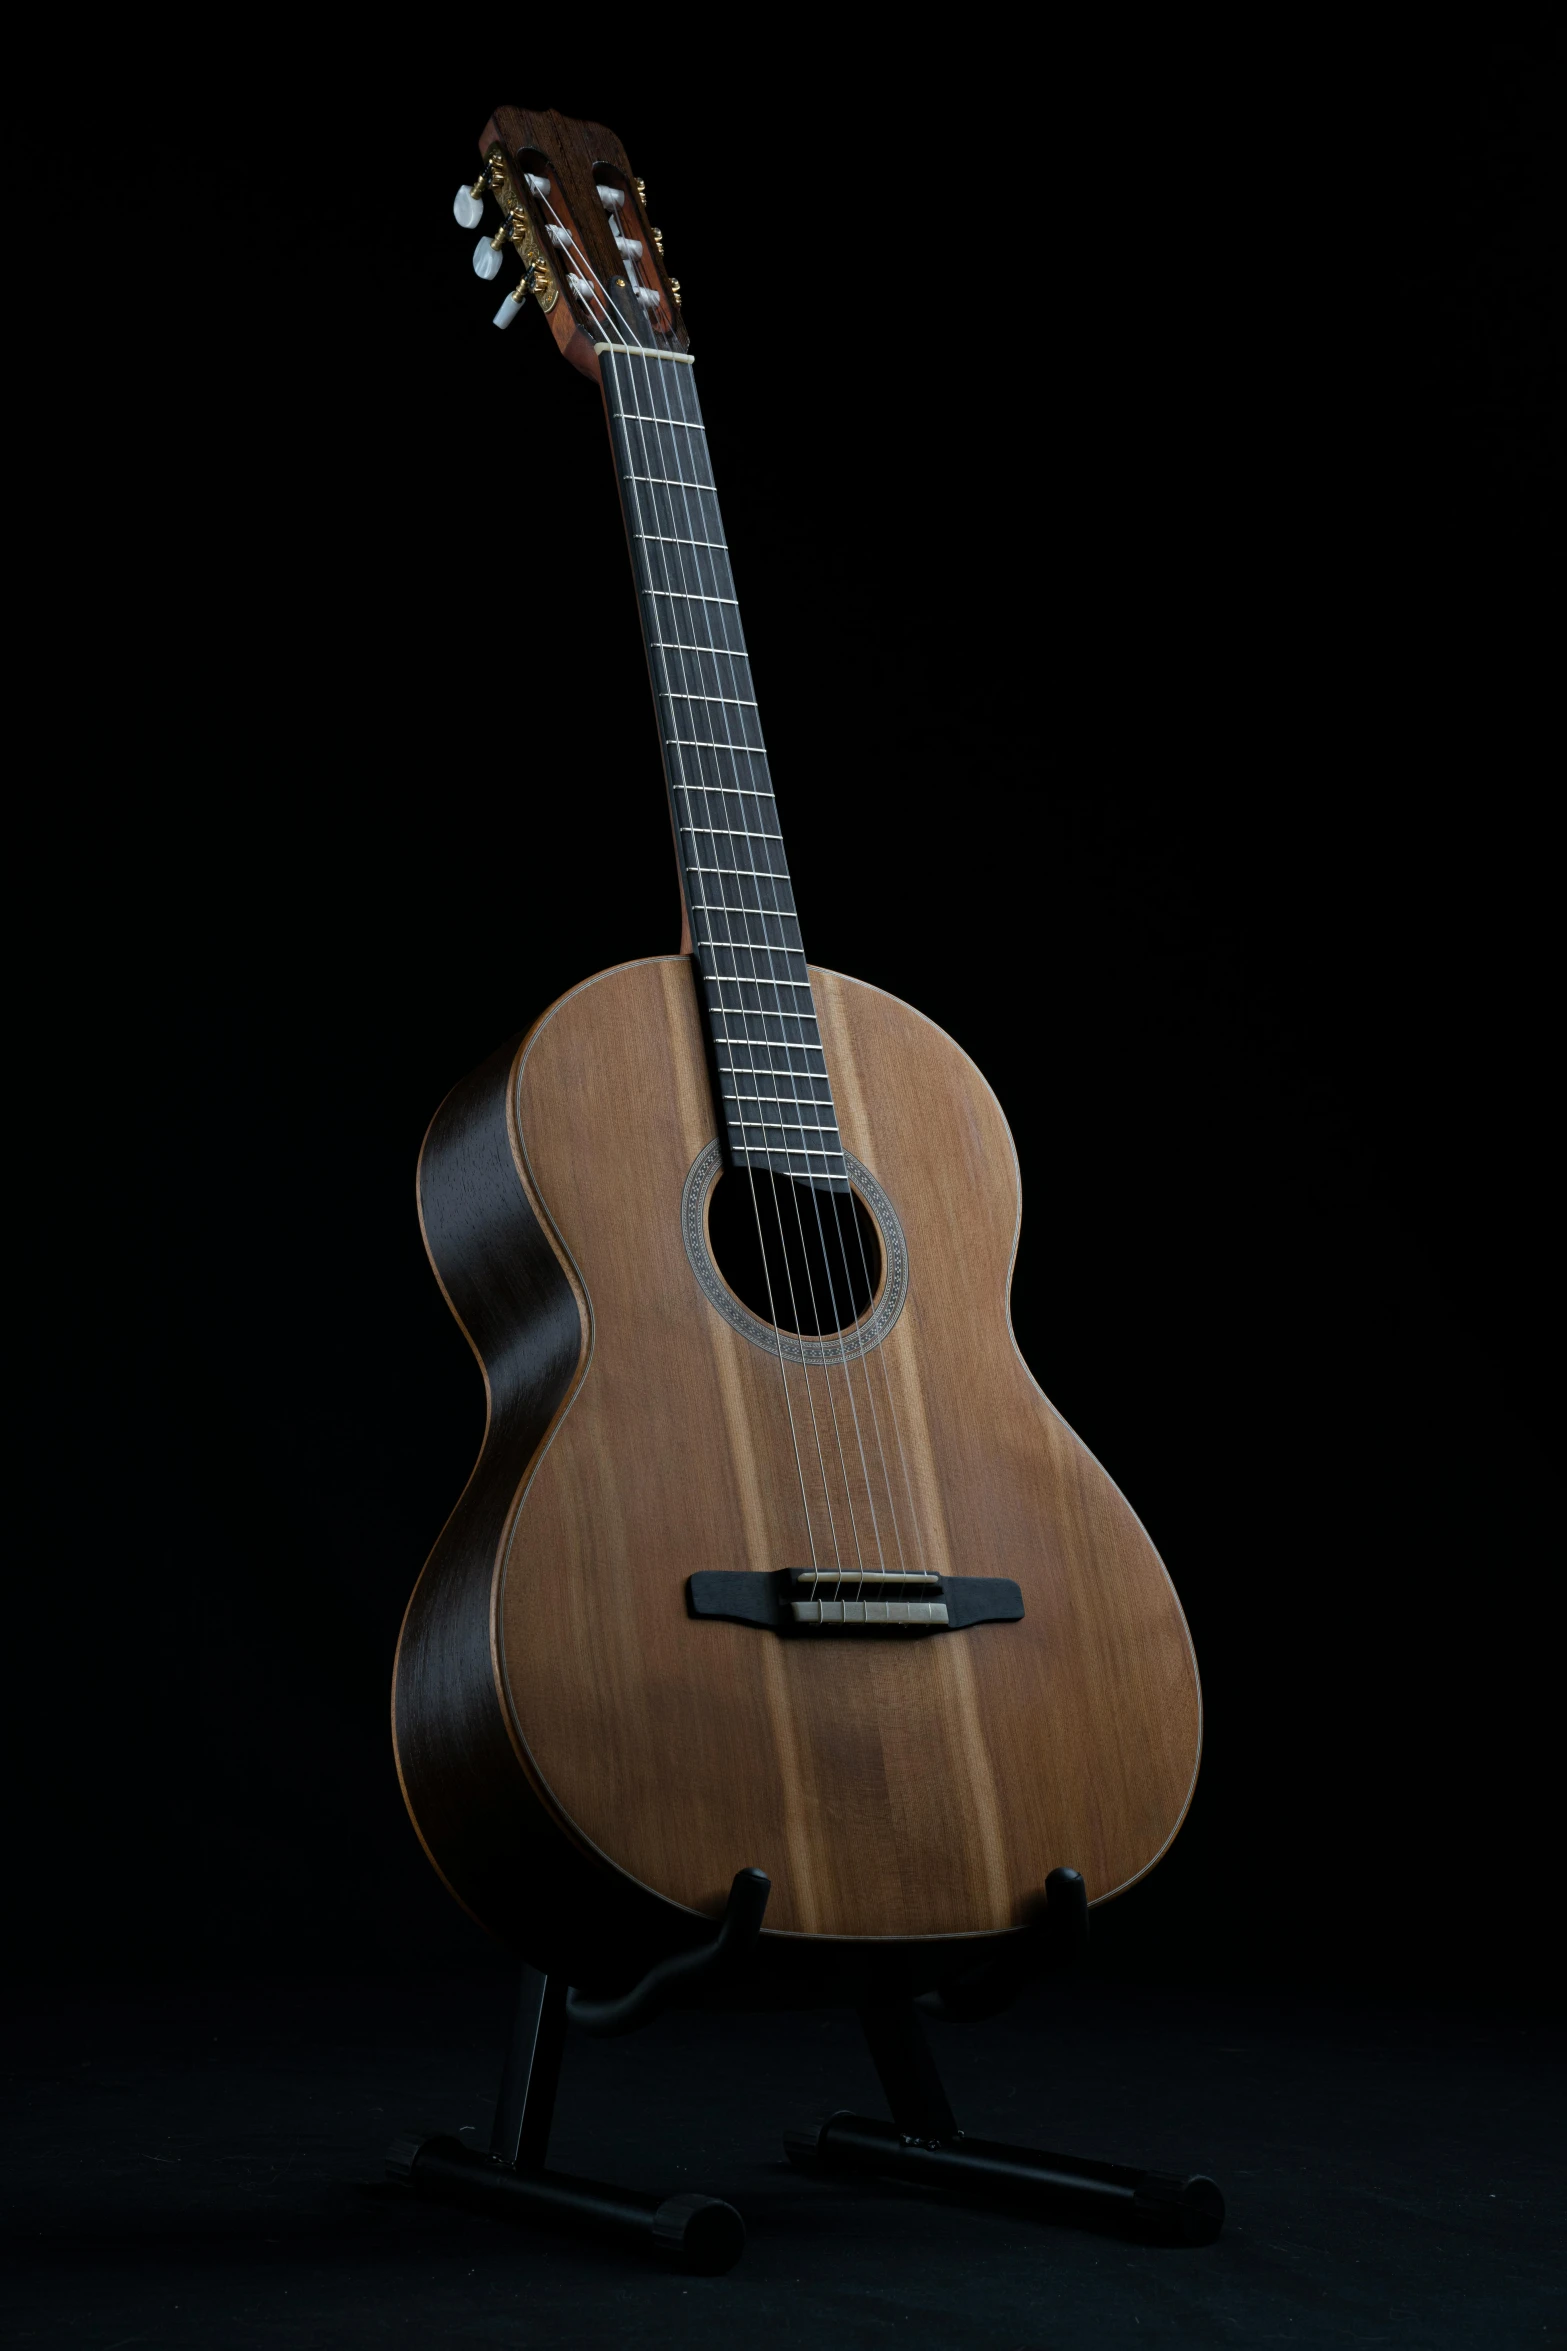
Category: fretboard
[775,1101]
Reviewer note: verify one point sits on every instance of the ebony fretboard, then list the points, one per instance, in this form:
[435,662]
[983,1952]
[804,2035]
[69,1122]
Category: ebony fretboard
[775,1102]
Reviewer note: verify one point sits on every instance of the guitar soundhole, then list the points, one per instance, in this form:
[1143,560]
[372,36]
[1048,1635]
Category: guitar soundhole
[801,1257]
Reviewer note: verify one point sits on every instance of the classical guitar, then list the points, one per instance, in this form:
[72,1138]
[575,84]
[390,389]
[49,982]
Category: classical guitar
[775,1557]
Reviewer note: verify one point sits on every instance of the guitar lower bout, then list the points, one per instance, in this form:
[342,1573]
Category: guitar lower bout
[579,1747]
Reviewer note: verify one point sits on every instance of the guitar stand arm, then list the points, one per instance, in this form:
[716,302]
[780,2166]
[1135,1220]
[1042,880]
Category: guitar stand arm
[510,2181]
[923,2145]
[687,1971]
[1054,1941]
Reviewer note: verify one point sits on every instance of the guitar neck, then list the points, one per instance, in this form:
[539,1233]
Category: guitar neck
[775,1099]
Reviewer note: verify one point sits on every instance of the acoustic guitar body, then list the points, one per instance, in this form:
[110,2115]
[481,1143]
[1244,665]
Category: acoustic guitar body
[587,1762]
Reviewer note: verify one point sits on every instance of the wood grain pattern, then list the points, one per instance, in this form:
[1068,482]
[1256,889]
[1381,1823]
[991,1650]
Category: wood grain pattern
[913,1790]
[574,156]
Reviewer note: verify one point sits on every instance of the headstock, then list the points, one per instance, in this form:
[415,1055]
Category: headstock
[576,217]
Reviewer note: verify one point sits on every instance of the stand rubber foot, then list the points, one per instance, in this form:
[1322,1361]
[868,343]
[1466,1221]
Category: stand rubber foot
[700,2234]
[1153,2205]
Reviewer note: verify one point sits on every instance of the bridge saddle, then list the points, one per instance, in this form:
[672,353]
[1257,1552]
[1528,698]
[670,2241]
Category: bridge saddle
[877,1595]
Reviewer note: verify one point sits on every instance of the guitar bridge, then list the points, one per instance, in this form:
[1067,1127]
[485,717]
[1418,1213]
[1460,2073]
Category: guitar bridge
[875,1600]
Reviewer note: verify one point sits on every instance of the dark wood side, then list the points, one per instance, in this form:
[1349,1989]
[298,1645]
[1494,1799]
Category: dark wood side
[494,1843]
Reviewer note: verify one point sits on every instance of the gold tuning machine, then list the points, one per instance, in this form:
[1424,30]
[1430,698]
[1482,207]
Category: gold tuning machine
[516,230]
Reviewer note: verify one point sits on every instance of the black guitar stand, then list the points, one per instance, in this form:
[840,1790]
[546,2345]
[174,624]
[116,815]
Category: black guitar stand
[921,2145]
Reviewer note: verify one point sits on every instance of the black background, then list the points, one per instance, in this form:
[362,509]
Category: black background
[1138,461]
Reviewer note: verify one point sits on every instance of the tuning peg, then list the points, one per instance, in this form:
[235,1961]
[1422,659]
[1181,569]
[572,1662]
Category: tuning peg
[535,279]
[467,208]
[514,301]
[486,259]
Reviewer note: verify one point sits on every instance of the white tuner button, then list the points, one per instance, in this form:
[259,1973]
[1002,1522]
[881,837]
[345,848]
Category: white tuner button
[486,261]
[467,209]
[511,306]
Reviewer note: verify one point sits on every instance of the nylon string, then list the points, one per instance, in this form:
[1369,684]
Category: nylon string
[671,472]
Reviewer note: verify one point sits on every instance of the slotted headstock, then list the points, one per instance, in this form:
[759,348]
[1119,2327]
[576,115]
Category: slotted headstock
[575,216]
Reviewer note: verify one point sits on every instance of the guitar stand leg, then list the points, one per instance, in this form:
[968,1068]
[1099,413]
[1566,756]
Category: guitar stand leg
[923,2145]
[697,2233]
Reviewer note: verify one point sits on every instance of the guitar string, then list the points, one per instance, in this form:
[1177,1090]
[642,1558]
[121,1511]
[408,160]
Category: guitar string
[685,826]
[598,302]
[688,565]
[736,946]
[749,1017]
[771,950]
[837,1325]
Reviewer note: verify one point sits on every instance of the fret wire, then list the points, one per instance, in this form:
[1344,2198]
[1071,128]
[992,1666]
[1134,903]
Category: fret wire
[800,1101]
[749,946]
[736,832]
[691,596]
[674,646]
[742,873]
[817,1126]
[786,1151]
[777,1012]
[743,979]
[772,1012]
[730,701]
[700,743]
[634,416]
[769,1045]
[770,947]
[735,791]
[663,539]
[799,1126]
[664,481]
